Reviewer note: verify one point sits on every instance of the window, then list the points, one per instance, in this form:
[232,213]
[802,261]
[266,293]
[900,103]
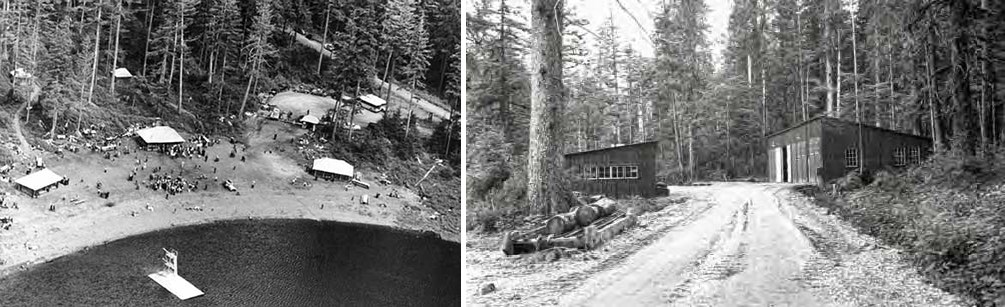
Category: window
[589,172]
[915,155]
[633,172]
[851,157]
[900,157]
[612,172]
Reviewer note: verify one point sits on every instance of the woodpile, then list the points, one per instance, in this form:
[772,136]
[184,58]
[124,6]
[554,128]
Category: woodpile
[561,223]
[584,227]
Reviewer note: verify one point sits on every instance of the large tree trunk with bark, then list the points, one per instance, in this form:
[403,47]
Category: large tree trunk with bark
[545,184]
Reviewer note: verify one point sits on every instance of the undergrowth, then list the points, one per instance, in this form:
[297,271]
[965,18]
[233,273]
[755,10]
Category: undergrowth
[944,214]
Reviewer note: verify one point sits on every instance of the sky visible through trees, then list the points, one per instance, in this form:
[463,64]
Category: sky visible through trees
[635,72]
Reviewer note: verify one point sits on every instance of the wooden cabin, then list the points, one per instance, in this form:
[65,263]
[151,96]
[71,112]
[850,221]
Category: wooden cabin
[826,148]
[617,172]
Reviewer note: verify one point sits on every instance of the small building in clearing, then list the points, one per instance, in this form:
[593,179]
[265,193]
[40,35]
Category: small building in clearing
[823,148]
[329,168]
[38,182]
[373,103]
[617,172]
[122,73]
[160,136]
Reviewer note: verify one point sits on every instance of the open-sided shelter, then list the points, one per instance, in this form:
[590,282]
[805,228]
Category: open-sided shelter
[826,148]
[38,182]
[329,168]
[310,121]
[618,172]
[160,136]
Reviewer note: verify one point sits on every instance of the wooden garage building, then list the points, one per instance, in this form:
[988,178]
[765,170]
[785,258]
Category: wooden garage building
[617,172]
[825,148]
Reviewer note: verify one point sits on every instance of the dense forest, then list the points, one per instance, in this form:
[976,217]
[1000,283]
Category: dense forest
[930,68]
[200,63]
[924,67]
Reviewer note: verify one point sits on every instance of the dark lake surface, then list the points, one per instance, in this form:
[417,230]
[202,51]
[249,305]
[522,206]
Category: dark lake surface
[253,263]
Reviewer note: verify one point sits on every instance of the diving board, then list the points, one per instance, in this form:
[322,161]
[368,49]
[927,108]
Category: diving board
[170,280]
[176,285]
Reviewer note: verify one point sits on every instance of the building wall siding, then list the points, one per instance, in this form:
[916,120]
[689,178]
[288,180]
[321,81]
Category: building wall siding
[825,141]
[642,155]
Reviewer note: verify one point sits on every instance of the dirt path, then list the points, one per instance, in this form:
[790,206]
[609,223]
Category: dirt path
[424,107]
[25,147]
[761,245]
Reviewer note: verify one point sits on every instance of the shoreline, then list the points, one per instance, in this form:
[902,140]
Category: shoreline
[116,227]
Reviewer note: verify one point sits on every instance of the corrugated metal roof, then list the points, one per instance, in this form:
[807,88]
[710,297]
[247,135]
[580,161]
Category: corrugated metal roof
[40,179]
[334,166]
[160,135]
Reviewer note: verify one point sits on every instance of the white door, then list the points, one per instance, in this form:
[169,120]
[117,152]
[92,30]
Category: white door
[778,165]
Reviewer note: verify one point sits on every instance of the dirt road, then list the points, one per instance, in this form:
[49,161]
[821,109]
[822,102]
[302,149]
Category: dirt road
[755,245]
[760,246]
[425,108]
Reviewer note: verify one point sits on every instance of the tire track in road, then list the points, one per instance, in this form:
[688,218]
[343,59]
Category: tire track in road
[724,258]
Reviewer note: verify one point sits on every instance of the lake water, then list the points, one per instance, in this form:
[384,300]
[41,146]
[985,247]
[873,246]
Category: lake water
[253,263]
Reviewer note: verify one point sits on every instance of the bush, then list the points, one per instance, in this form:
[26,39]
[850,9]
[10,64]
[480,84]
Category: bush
[940,216]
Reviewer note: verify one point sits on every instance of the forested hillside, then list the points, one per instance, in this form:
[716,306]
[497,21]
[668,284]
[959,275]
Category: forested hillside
[201,63]
[925,67]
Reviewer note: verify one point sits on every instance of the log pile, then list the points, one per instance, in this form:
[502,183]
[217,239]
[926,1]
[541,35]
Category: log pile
[586,226]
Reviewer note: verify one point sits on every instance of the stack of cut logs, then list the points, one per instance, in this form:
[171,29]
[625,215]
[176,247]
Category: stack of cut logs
[585,226]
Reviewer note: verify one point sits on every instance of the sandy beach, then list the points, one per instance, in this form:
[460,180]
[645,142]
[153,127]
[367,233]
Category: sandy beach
[82,219]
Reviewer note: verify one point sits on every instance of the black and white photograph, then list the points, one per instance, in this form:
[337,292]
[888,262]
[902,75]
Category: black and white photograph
[230,153]
[734,153]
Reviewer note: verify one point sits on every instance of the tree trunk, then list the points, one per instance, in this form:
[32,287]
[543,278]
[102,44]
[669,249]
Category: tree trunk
[223,83]
[324,37]
[933,101]
[690,151]
[854,65]
[837,85]
[545,184]
[411,107]
[875,81]
[676,134]
[115,54]
[94,66]
[963,142]
[247,91]
[181,61]
[387,69]
[828,51]
[146,48]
